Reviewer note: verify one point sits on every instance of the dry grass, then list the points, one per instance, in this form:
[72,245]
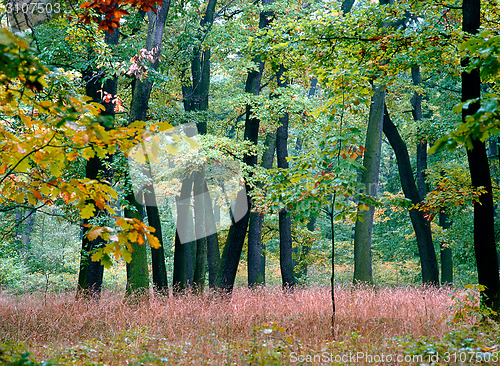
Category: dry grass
[192,329]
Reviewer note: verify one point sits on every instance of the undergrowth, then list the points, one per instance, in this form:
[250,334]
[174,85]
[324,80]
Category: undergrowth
[387,326]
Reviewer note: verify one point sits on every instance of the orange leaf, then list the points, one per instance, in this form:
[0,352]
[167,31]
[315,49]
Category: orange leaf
[94,233]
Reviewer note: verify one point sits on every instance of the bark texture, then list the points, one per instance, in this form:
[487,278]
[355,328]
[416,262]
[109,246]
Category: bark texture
[369,179]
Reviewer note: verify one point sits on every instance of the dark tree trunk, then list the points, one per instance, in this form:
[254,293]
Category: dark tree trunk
[416,102]
[91,272]
[232,250]
[428,260]
[445,251]
[158,267]
[183,266]
[484,232]
[256,249]
[285,222]
[138,112]
[256,274]
[234,243]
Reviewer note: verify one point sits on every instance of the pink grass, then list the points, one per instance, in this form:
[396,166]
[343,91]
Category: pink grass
[208,324]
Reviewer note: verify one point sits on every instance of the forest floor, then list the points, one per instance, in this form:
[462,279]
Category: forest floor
[386,326]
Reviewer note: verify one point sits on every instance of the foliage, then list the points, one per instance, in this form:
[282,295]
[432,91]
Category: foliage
[47,130]
[468,307]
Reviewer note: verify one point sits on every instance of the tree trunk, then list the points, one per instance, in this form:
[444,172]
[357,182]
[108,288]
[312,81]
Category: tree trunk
[416,102]
[430,272]
[139,105]
[183,266]
[484,232]
[446,254]
[231,254]
[256,272]
[91,272]
[90,276]
[137,268]
[158,267]
[256,249]
[285,222]
[234,243]
[369,179]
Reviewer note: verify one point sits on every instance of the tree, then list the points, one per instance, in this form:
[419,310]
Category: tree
[256,258]
[193,256]
[285,222]
[369,179]
[234,244]
[91,272]
[421,226]
[141,93]
[484,233]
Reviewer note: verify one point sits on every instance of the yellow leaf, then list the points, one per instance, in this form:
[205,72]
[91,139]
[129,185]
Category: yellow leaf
[364,207]
[87,211]
[55,170]
[97,256]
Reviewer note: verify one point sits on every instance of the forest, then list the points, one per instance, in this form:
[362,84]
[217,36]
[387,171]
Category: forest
[264,182]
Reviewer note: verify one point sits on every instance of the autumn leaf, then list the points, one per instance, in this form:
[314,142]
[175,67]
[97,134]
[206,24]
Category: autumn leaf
[87,211]
[94,233]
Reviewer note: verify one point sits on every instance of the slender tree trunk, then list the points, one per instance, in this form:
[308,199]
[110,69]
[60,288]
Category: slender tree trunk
[484,232]
[369,179]
[90,276]
[256,249]
[139,105]
[445,251]
[428,260]
[285,222]
[213,253]
[234,243]
[416,102]
[183,266]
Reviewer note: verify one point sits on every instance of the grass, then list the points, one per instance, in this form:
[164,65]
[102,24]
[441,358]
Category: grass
[264,326]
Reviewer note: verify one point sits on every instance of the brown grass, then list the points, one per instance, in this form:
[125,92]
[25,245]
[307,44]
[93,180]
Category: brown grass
[215,329]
